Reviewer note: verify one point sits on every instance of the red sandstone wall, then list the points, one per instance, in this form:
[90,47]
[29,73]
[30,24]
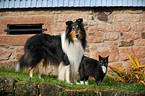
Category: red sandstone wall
[110,31]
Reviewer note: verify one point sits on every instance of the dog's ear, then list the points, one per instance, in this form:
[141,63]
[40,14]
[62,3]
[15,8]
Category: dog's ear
[68,23]
[80,20]
[100,56]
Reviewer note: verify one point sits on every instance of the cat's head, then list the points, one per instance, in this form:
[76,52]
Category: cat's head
[103,61]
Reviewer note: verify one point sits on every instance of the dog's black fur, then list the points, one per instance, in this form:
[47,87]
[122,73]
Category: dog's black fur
[43,46]
[92,67]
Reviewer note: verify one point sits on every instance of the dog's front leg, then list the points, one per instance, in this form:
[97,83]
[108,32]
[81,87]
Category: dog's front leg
[68,74]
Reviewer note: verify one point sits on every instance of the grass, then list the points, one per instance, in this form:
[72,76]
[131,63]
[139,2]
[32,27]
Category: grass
[107,85]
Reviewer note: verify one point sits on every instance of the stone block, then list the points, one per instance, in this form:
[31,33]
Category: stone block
[142,61]
[7,85]
[143,17]
[50,90]
[115,64]
[143,35]
[122,26]
[128,17]
[130,35]
[140,42]
[95,33]
[19,51]
[138,26]
[104,50]
[8,64]
[5,53]
[111,36]
[33,19]
[26,89]
[59,27]
[111,42]
[124,51]
[14,39]
[102,27]
[71,17]
[93,39]
[139,51]
[125,43]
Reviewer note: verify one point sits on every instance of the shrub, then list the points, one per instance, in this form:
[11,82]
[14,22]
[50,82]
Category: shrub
[134,74]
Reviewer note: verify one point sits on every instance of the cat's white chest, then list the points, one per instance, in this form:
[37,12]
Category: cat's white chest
[104,69]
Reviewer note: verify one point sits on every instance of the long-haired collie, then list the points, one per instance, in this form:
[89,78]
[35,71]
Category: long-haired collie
[91,67]
[45,51]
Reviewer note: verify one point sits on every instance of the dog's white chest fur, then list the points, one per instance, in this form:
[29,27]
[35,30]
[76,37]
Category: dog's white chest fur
[104,69]
[74,51]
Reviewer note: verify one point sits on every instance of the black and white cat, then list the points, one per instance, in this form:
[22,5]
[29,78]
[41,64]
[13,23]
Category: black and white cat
[93,68]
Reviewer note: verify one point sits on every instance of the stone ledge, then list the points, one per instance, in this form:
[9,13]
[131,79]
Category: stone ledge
[14,39]
[12,86]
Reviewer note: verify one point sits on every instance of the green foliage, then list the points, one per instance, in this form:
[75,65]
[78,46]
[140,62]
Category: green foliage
[134,74]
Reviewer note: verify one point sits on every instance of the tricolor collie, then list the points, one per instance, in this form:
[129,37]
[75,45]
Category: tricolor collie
[44,51]
[91,67]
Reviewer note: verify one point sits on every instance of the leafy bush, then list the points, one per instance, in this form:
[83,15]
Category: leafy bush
[134,74]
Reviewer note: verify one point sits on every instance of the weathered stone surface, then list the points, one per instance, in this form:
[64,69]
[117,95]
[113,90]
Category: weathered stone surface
[120,27]
[14,39]
[104,50]
[142,61]
[111,42]
[26,89]
[49,90]
[93,39]
[143,35]
[124,51]
[139,51]
[95,33]
[33,19]
[111,36]
[8,64]
[140,42]
[19,51]
[5,53]
[126,43]
[143,17]
[69,17]
[7,85]
[128,17]
[59,27]
[102,27]
[130,35]
[139,26]
[115,64]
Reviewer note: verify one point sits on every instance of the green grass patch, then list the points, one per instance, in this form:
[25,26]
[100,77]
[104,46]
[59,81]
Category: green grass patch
[107,85]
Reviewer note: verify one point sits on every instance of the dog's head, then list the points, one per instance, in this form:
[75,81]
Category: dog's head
[75,30]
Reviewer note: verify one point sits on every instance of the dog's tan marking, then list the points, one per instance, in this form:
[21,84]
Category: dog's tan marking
[73,34]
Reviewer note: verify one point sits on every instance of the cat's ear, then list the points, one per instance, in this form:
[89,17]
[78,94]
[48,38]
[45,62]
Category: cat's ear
[107,57]
[100,58]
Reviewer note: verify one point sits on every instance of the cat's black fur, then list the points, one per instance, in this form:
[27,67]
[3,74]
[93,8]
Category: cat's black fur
[93,68]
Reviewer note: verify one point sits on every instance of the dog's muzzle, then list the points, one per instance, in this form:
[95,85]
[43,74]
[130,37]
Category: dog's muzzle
[77,35]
